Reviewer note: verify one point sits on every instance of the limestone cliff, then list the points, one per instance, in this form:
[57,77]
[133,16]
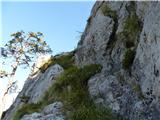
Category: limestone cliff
[123,37]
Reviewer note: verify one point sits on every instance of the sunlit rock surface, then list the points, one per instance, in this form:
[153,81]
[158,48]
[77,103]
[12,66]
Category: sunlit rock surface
[50,112]
[34,88]
[124,37]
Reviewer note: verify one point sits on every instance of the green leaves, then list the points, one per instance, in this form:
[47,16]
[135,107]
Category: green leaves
[26,44]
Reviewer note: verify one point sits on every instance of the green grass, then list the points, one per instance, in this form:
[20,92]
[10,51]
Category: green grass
[91,112]
[131,29]
[72,83]
[66,61]
[128,59]
[71,89]
[27,109]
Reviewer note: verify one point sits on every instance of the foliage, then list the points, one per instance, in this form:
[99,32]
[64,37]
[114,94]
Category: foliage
[22,49]
[72,82]
[128,59]
[108,12]
[66,61]
[71,89]
[91,112]
[132,26]
[27,109]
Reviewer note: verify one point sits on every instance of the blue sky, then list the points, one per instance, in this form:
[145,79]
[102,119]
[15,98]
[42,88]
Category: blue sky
[60,22]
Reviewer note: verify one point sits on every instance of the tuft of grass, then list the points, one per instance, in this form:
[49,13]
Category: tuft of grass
[72,83]
[46,65]
[71,89]
[106,10]
[66,61]
[128,59]
[131,29]
[132,26]
[27,109]
[91,112]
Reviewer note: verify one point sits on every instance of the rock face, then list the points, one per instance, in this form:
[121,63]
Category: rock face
[34,89]
[50,112]
[129,82]
[40,61]
[123,37]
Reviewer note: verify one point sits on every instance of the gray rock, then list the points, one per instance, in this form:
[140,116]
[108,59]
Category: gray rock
[52,108]
[104,41]
[35,87]
[33,116]
[50,112]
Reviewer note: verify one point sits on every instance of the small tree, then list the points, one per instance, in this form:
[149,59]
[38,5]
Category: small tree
[22,49]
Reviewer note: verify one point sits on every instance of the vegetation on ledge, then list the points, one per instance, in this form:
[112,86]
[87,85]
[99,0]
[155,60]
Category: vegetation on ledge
[71,89]
[66,61]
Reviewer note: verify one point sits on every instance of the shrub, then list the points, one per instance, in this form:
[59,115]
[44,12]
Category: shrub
[128,59]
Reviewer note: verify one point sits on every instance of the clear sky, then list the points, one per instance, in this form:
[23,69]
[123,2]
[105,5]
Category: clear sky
[61,23]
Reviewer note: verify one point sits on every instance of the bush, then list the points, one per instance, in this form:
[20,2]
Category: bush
[128,59]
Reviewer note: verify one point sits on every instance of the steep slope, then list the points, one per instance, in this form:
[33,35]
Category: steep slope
[34,89]
[122,37]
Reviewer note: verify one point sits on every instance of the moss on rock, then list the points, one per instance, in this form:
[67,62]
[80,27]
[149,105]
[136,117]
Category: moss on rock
[107,11]
[128,59]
